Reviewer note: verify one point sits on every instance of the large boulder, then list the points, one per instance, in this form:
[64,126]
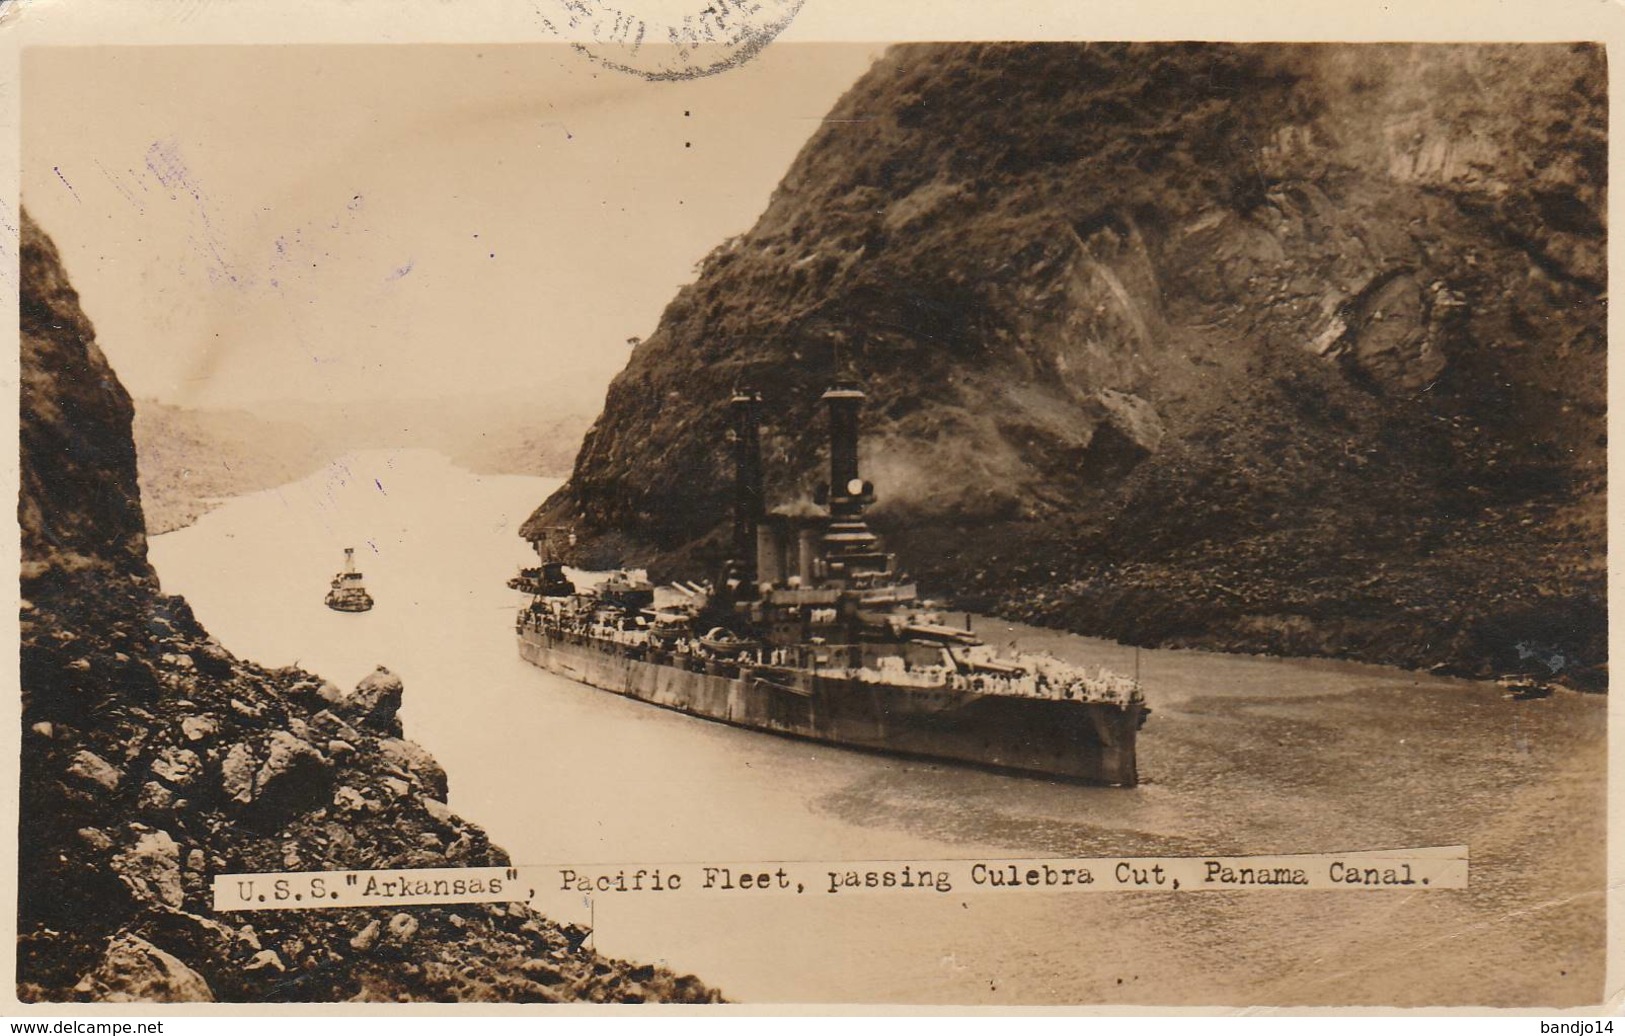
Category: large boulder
[176,766]
[416,760]
[133,970]
[376,703]
[150,868]
[281,772]
[199,728]
[237,773]
[93,771]
[326,724]
[293,771]
[206,944]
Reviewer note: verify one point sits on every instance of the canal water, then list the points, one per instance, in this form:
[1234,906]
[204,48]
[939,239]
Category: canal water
[1240,755]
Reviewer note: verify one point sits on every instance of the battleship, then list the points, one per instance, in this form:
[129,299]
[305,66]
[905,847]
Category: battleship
[811,630]
[347,592]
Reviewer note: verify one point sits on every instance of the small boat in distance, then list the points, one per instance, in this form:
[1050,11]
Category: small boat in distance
[347,593]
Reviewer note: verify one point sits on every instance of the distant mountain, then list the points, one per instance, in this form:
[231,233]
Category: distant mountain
[1297,349]
[190,457]
[494,434]
[544,447]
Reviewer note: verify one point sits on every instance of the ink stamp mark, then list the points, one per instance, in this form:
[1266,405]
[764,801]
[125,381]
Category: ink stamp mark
[667,40]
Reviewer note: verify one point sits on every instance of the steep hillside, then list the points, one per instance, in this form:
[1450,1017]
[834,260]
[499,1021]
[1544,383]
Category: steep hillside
[152,759]
[1295,349]
[189,458]
[78,506]
[543,445]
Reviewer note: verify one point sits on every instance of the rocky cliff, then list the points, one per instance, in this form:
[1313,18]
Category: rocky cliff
[78,506]
[1295,349]
[153,759]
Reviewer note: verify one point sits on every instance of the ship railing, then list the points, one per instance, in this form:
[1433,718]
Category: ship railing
[799,597]
[928,678]
[1049,679]
[1112,690]
[888,594]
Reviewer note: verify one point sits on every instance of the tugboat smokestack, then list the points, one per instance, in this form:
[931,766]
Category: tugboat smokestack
[749,499]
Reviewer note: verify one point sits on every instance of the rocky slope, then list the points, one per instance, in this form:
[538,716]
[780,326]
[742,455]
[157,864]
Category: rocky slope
[153,759]
[1295,349]
[540,444]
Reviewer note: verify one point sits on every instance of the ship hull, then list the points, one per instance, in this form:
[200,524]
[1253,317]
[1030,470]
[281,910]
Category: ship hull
[1092,742]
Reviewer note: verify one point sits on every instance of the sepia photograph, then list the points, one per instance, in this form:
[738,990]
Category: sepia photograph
[687,514]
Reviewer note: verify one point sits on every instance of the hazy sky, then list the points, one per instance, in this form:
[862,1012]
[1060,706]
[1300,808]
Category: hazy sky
[247,224]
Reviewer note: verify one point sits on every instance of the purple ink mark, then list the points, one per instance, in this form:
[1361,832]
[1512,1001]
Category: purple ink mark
[58,171]
[401,271]
[164,161]
[116,182]
[380,486]
[166,165]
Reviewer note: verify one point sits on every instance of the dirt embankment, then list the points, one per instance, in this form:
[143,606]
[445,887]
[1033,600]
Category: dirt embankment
[1296,349]
[152,759]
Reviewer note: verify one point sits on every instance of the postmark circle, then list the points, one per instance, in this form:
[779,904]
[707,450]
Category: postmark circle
[671,40]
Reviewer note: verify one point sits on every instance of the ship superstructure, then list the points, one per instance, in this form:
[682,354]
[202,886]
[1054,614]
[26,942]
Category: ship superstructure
[812,630]
[348,593]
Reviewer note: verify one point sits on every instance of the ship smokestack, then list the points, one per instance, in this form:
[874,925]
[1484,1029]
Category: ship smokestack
[845,400]
[850,548]
[748,491]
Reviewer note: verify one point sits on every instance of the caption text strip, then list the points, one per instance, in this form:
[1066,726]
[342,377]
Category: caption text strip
[1410,870]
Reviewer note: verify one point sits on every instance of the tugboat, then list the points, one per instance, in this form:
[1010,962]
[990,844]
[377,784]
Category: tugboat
[811,631]
[347,593]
